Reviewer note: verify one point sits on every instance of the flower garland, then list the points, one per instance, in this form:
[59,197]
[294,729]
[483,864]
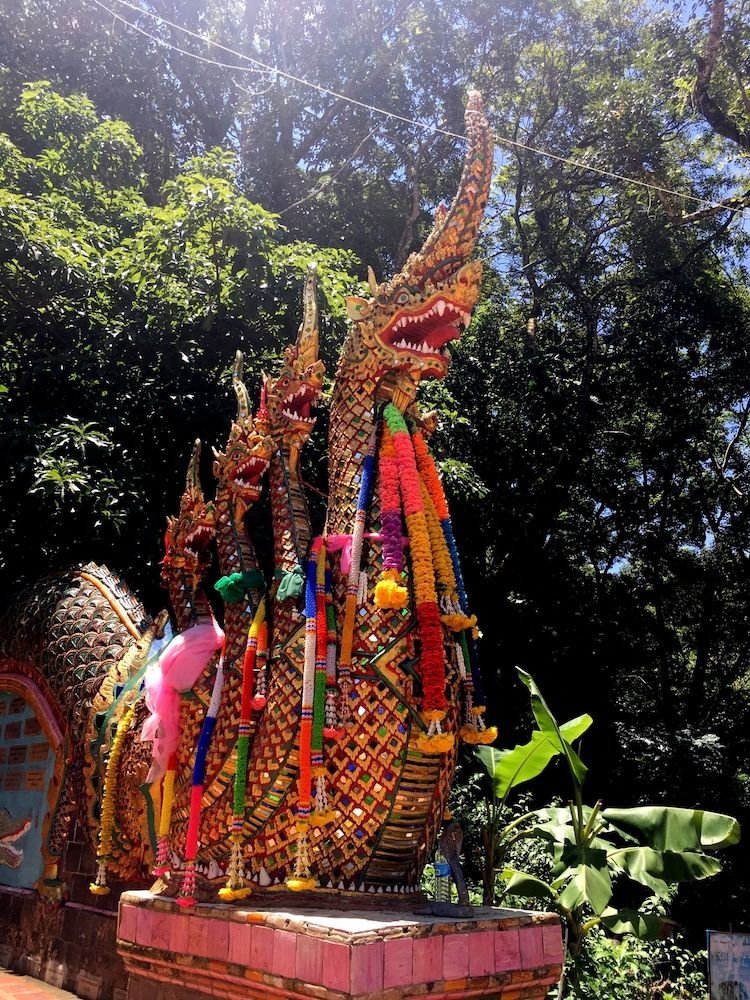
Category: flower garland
[187,891]
[352,585]
[236,887]
[474,729]
[99,886]
[302,879]
[432,655]
[389,591]
[453,617]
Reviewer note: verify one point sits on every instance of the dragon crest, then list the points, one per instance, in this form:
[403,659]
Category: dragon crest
[242,464]
[189,535]
[290,398]
[406,325]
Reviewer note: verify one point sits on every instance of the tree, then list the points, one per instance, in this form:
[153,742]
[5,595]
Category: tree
[121,321]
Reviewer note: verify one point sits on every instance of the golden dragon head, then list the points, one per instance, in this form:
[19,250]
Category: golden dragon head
[240,467]
[190,533]
[405,327]
[288,400]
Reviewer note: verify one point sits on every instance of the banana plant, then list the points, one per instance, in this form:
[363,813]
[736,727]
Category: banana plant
[507,769]
[592,847]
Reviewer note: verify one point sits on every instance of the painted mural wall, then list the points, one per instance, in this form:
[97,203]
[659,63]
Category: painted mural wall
[27,762]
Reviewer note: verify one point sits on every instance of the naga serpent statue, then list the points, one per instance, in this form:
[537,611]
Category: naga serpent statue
[308,745]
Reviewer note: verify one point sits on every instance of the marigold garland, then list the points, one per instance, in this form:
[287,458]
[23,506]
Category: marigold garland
[457,618]
[427,609]
[474,729]
[99,886]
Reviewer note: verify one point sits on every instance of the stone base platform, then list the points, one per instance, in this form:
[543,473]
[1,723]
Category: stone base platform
[71,946]
[223,952]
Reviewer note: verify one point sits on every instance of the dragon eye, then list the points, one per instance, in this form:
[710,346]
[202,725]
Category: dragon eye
[402,299]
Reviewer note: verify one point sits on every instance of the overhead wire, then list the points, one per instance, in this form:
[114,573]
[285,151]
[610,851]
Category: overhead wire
[258,66]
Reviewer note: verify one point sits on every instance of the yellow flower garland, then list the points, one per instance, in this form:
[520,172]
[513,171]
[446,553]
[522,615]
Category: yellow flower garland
[99,886]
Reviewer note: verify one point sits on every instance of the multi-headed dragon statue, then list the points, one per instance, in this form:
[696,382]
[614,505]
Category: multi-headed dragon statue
[316,741]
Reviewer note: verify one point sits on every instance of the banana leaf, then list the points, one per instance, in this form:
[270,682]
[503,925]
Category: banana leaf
[670,829]
[509,768]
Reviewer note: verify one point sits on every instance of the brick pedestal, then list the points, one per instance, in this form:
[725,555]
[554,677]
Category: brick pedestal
[217,951]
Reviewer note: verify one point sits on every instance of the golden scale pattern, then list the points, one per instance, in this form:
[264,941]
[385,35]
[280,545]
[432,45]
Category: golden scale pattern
[69,627]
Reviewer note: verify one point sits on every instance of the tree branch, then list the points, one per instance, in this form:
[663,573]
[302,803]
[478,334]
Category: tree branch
[721,122]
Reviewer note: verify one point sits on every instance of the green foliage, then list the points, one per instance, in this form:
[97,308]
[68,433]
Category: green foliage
[126,314]
[506,770]
[592,849]
[629,969]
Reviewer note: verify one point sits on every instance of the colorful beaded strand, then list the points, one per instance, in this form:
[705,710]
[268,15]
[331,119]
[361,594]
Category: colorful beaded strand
[352,586]
[236,887]
[187,891]
[321,812]
[302,879]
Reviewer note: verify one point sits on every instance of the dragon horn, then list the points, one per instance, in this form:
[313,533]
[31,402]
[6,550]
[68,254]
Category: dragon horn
[451,241]
[307,338]
[243,400]
[192,480]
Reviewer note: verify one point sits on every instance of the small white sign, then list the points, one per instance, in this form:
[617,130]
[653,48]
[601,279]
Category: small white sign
[729,965]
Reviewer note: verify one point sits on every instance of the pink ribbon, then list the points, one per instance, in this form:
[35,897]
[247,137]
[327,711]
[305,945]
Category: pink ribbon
[343,544]
[175,671]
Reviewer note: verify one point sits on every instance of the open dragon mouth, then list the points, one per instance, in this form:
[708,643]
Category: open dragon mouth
[198,540]
[298,404]
[426,333]
[249,473]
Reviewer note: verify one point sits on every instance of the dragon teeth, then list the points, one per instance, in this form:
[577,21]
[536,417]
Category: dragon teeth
[298,417]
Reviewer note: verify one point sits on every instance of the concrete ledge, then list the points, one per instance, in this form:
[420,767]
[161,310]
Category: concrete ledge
[227,952]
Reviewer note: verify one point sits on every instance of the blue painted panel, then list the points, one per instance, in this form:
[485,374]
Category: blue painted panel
[27,764]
